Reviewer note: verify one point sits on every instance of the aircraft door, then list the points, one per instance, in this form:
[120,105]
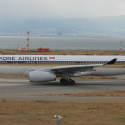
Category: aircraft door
[81,62]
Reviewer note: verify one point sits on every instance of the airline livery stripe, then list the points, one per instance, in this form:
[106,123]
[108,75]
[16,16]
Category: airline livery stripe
[63,62]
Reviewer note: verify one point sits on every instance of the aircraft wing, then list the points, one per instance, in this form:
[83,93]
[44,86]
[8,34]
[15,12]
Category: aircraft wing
[81,68]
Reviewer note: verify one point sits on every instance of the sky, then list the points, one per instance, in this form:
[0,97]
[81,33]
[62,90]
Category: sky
[38,9]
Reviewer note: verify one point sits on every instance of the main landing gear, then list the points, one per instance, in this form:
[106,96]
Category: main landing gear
[67,81]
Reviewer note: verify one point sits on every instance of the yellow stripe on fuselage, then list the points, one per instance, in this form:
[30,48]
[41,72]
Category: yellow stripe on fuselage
[113,66]
[61,64]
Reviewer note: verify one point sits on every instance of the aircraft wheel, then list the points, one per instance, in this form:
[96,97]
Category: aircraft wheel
[72,82]
[65,82]
[61,80]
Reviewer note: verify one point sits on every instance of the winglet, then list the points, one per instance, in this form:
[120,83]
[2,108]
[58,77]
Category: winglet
[112,61]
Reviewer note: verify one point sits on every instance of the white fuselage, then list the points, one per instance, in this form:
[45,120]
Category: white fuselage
[23,64]
[58,59]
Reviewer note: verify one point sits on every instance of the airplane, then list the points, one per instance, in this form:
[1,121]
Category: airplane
[43,68]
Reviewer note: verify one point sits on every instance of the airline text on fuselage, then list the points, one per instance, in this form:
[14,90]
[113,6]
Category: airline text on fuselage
[24,58]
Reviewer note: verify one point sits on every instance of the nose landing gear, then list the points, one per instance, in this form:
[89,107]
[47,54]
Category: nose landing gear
[67,81]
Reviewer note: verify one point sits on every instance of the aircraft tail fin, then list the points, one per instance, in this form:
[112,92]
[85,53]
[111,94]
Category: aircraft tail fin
[112,61]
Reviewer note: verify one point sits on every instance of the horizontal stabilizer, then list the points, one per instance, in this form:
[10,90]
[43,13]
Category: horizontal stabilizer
[112,61]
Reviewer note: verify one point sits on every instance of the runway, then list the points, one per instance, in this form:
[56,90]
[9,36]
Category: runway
[22,89]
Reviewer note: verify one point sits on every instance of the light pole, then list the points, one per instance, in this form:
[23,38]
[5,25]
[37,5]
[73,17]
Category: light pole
[28,40]
[57,118]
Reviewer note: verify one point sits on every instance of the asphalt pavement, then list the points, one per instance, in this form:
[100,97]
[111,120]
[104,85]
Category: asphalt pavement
[22,89]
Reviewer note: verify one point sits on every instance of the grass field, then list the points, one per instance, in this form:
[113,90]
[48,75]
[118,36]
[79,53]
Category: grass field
[82,77]
[61,52]
[73,113]
[91,94]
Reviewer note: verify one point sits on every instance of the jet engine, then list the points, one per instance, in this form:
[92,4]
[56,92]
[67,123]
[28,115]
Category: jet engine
[41,76]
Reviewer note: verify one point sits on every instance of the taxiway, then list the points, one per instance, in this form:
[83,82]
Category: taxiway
[22,89]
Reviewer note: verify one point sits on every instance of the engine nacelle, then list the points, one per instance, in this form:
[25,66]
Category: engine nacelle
[41,76]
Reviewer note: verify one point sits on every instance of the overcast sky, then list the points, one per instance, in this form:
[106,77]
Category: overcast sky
[37,9]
